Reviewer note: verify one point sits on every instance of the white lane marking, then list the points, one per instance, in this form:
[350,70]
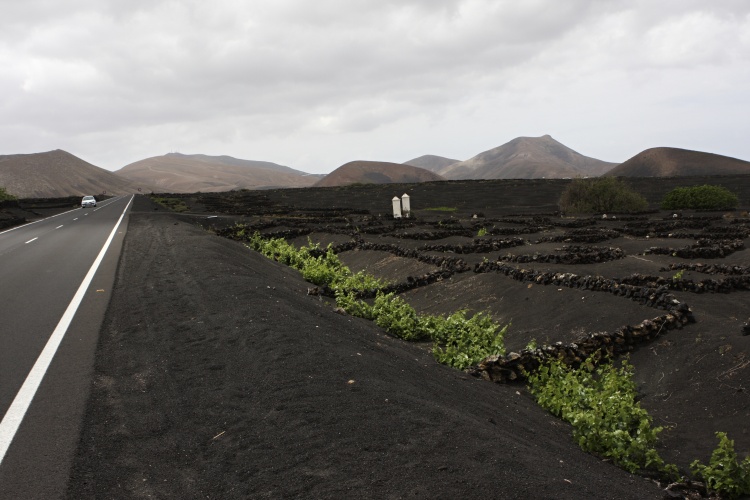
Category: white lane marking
[76,218]
[15,414]
[40,220]
[61,225]
[32,239]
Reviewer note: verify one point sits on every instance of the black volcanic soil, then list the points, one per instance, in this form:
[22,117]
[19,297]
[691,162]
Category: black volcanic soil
[218,376]
[17,212]
[494,197]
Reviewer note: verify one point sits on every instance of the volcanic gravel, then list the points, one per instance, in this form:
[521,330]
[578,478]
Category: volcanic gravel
[221,374]
[218,376]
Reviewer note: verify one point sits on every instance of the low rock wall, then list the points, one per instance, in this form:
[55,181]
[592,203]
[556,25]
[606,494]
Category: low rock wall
[652,296]
[570,255]
[453,264]
[582,236]
[434,235]
[515,366]
[708,268]
[477,246]
[726,285]
[702,249]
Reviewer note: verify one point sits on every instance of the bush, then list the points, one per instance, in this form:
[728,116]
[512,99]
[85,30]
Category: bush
[724,474]
[397,317]
[601,195]
[174,204]
[360,281]
[461,342]
[5,196]
[700,198]
[324,270]
[601,405]
[349,302]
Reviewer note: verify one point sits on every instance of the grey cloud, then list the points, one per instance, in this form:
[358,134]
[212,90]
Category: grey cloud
[297,69]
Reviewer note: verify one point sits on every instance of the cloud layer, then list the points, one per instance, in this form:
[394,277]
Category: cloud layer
[315,84]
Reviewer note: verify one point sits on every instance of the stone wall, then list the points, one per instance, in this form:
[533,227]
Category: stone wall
[515,366]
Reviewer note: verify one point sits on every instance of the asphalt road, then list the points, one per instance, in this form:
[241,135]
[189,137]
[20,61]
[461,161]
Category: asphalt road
[43,266]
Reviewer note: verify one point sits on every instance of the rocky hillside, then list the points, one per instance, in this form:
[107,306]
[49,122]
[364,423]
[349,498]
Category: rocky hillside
[528,158]
[56,174]
[179,173]
[675,162]
[377,172]
[432,163]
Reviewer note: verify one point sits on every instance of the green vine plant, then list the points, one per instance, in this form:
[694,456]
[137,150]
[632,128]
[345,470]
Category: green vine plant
[461,342]
[724,474]
[598,398]
[600,403]
[458,340]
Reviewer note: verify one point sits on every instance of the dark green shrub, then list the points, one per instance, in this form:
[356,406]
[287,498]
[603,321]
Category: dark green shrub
[700,198]
[174,204]
[4,195]
[600,195]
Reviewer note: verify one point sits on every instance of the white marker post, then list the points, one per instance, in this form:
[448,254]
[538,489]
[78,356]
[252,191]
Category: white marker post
[406,205]
[396,207]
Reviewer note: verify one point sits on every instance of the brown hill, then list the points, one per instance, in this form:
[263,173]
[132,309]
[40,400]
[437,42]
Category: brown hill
[432,163]
[377,172]
[528,158]
[179,173]
[56,174]
[675,162]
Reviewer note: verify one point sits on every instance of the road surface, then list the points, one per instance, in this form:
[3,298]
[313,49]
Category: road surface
[55,282]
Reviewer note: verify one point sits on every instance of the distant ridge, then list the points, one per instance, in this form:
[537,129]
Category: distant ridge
[675,162]
[432,163]
[376,172]
[528,158]
[56,174]
[180,173]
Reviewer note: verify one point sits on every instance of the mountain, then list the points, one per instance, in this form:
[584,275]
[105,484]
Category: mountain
[377,172]
[675,162]
[527,158]
[432,163]
[57,174]
[179,173]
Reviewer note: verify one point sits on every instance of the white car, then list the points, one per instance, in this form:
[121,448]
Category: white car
[88,201]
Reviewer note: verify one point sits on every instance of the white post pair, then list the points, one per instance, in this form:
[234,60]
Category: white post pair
[401,206]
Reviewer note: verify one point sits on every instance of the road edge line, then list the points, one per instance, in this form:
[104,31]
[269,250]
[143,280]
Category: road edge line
[21,403]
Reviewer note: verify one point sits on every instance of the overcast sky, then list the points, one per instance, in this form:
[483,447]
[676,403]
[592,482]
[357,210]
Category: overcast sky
[314,84]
